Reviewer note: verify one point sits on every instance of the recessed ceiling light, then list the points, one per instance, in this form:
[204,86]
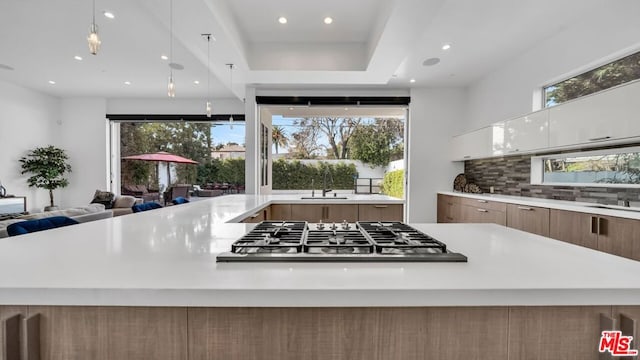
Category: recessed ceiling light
[431,62]
[282,20]
[290,108]
[412,81]
[127,82]
[346,109]
[328,20]
[446,46]
[108,14]
[196,82]
[52,82]
[164,57]
[79,58]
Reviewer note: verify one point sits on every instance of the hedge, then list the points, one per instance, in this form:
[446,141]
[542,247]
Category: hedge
[287,175]
[393,183]
[294,175]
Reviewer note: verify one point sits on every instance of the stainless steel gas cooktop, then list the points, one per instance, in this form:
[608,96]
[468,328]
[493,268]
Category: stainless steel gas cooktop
[363,241]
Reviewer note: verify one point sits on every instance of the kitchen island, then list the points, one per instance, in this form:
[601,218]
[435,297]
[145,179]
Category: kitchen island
[147,286]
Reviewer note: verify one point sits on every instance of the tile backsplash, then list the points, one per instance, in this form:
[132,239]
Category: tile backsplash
[511,176]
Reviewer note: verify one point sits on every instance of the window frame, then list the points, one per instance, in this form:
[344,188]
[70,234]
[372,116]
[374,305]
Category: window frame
[537,167]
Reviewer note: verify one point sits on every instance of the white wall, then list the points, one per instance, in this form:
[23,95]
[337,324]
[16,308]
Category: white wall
[508,91]
[435,115]
[27,119]
[82,132]
[173,106]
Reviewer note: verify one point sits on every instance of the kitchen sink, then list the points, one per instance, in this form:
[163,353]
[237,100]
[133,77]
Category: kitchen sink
[323,198]
[613,207]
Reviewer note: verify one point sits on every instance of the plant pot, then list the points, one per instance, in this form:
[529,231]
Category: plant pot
[50,208]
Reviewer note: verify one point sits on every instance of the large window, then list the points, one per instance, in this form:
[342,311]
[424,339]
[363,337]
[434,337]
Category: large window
[346,149]
[604,77]
[610,167]
[217,147]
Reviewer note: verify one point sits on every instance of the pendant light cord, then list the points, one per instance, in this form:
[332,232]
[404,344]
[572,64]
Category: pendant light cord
[208,67]
[170,31]
[94,12]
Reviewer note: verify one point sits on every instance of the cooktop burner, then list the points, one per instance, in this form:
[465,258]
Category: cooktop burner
[346,242]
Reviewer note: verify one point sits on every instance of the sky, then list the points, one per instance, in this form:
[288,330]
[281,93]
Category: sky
[223,133]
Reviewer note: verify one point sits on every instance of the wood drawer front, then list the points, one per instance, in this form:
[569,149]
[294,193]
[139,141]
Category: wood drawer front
[450,199]
[476,214]
[528,218]
[280,212]
[484,204]
[380,212]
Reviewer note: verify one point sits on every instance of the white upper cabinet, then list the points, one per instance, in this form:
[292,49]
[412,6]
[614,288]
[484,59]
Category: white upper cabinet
[610,115]
[527,133]
[473,145]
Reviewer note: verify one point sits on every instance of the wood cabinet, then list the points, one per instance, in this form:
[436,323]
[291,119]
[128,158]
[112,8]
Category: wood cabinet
[449,210]
[258,216]
[11,318]
[617,236]
[483,211]
[628,322]
[550,333]
[528,218]
[326,213]
[84,332]
[380,212]
[358,333]
[337,212]
[348,333]
[613,235]
[280,212]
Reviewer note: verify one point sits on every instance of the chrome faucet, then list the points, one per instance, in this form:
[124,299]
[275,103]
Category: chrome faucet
[313,188]
[325,190]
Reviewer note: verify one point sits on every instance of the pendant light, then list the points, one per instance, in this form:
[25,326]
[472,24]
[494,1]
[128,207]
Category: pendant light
[231,88]
[93,39]
[209,107]
[171,87]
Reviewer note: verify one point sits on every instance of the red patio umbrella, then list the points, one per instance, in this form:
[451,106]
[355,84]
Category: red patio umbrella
[164,157]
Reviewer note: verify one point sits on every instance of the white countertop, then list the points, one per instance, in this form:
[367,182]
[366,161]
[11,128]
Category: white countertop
[166,257]
[577,206]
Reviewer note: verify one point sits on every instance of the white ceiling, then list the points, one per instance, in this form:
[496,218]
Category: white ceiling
[376,43]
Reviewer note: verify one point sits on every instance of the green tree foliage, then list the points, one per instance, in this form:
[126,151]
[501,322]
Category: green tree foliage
[393,183]
[187,139]
[279,137]
[295,175]
[336,130]
[231,171]
[604,77]
[48,166]
[378,143]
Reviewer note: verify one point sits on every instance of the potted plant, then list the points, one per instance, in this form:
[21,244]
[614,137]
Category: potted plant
[48,166]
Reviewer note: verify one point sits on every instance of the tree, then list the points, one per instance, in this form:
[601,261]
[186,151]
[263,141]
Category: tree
[604,77]
[48,166]
[338,132]
[279,137]
[305,140]
[379,142]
